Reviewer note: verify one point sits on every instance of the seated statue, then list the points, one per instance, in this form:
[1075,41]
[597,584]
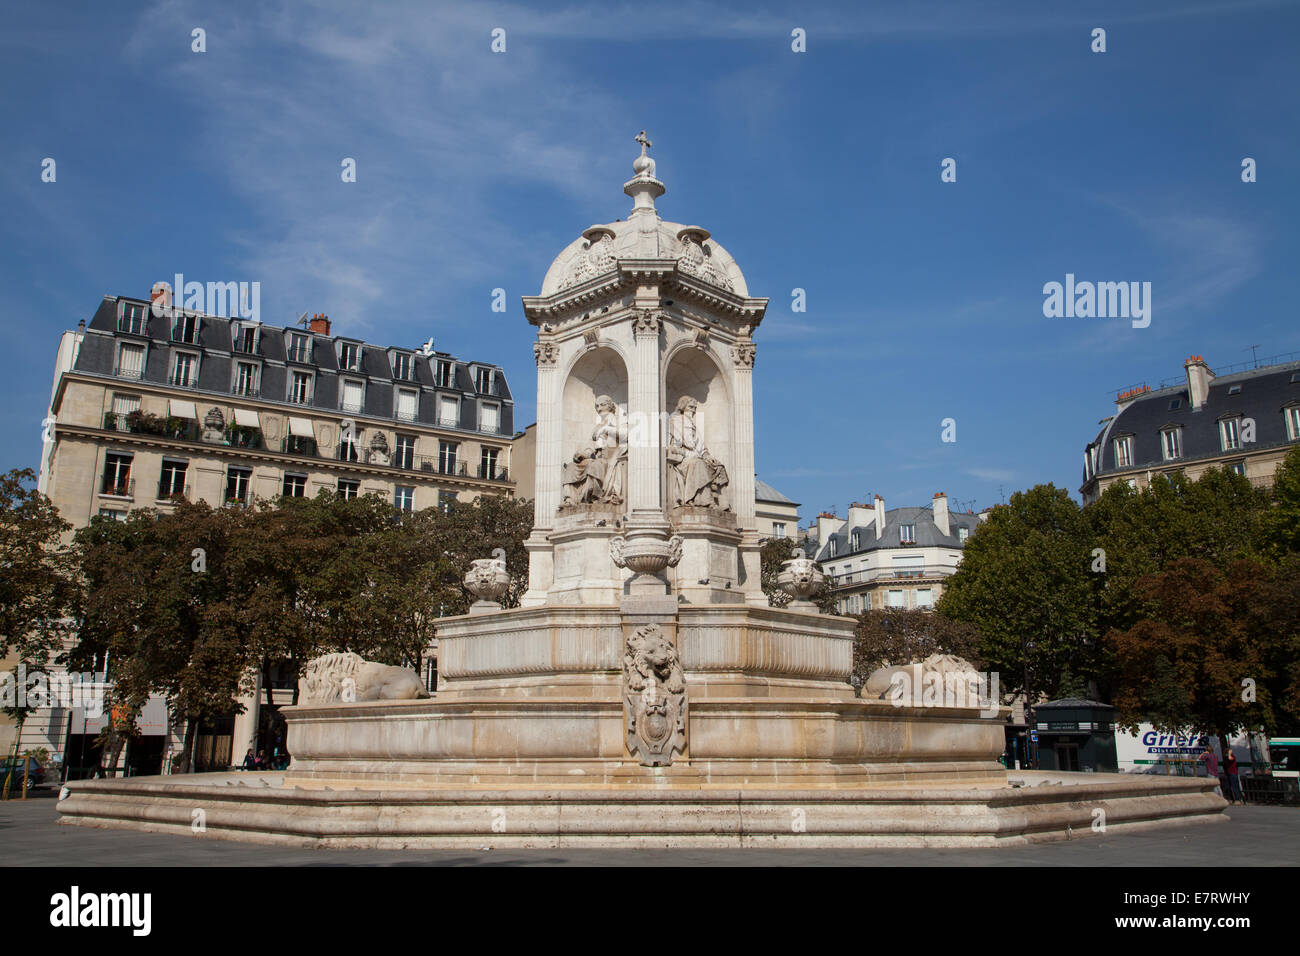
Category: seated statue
[598,473]
[583,478]
[697,478]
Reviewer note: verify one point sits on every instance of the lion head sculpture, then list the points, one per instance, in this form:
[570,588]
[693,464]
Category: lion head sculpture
[649,656]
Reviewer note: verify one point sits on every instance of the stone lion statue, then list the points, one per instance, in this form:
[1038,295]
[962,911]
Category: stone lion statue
[347,678]
[651,655]
[908,679]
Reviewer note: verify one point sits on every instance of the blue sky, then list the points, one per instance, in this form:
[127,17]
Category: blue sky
[818,170]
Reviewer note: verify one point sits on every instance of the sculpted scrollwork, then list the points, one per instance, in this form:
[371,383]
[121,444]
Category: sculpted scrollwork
[546,353]
[646,322]
[743,355]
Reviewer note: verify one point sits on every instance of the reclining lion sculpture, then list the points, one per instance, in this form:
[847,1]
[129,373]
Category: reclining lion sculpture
[347,678]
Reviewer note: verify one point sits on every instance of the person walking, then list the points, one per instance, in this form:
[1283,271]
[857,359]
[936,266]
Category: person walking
[250,762]
[1234,781]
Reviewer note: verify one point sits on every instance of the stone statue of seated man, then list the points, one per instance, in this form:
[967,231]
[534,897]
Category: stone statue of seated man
[697,478]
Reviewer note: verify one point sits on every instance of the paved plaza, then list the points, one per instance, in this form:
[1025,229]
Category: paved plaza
[1251,836]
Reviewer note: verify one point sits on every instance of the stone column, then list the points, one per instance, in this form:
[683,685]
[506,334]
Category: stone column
[645,464]
[546,478]
[742,354]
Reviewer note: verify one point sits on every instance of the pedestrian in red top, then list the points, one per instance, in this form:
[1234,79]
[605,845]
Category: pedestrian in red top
[1234,782]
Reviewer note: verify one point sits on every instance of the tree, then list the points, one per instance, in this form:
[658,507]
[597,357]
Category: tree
[1281,523]
[36,585]
[156,607]
[1024,584]
[1215,650]
[776,551]
[900,636]
[1216,518]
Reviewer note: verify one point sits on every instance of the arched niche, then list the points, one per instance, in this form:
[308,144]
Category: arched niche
[692,372]
[600,371]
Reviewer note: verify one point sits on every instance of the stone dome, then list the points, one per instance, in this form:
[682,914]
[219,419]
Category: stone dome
[643,235]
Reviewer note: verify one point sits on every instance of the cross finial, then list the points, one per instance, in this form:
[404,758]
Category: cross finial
[643,140]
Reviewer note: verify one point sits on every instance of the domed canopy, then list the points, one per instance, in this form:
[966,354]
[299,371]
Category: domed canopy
[644,236]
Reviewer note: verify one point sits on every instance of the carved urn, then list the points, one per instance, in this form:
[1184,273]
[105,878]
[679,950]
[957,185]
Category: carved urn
[214,426]
[645,554]
[800,578]
[488,580]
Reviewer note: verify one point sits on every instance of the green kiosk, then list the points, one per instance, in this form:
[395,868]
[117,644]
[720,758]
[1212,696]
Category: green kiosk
[1075,734]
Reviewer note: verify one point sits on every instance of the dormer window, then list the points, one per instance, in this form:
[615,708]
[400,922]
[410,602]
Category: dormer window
[1292,415]
[963,534]
[1171,442]
[132,318]
[1234,389]
[857,540]
[408,401]
[483,380]
[442,374]
[349,356]
[907,533]
[299,347]
[354,395]
[1124,452]
[402,366]
[243,338]
[833,548]
[1175,404]
[186,329]
[1230,433]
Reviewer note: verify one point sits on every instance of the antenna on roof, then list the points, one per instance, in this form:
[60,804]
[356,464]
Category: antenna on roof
[427,347]
[302,320]
[1254,359]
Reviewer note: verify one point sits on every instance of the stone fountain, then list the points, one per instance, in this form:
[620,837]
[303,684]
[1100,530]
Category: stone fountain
[644,692]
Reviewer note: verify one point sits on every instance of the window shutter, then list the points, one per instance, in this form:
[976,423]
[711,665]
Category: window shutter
[491,418]
[132,359]
[352,395]
[125,404]
[406,404]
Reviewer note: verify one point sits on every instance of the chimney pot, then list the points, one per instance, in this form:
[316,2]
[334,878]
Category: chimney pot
[320,322]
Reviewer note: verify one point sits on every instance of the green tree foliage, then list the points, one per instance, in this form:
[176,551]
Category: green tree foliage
[1216,518]
[279,584]
[1024,585]
[1281,523]
[37,587]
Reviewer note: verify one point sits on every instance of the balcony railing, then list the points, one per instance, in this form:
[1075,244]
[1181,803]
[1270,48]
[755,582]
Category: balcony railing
[122,372]
[299,353]
[247,390]
[235,499]
[183,379]
[114,487]
[851,578]
[449,422]
[132,326]
[167,491]
[186,333]
[491,472]
[244,436]
[298,445]
[488,428]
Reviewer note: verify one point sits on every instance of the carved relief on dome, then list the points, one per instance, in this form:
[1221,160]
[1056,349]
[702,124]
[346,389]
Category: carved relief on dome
[696,259]
[596,257]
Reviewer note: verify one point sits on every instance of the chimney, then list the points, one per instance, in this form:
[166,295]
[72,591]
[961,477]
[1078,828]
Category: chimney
[880,517]
[1199,378]
[860,515]
[940,505]
[827,524]
[984,515]
[320,323]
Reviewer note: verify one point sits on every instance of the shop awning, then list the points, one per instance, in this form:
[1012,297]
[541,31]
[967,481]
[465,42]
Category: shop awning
[246,417]
[180,408]
[300,428]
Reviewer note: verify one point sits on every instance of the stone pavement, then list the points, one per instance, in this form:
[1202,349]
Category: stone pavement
[1251,836]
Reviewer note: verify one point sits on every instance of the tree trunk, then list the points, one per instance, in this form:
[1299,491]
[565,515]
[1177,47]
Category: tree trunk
[187,746]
